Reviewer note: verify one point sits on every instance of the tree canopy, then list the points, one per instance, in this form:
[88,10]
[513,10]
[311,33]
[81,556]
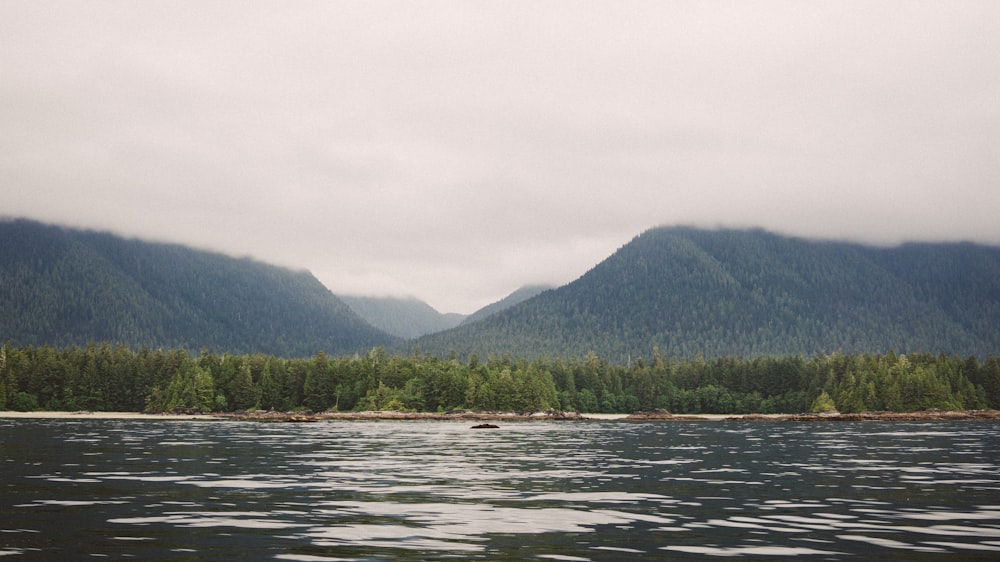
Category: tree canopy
[116,378]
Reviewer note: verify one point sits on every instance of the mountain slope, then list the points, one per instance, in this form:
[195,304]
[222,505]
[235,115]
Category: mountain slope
[61,286]
[406,318]
[410,317]
[517,297]
[690,292]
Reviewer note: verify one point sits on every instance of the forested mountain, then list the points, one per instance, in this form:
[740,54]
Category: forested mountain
[684,292]
[62,286]
[687,320]
[517,297]
[410,318]
[406,318]
[688,292]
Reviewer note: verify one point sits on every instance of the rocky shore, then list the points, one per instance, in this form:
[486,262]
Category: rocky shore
[387,415]
[930,415]
[933,415]
[550,415]
[553,415]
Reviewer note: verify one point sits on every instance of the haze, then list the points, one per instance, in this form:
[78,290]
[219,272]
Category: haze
[458,150]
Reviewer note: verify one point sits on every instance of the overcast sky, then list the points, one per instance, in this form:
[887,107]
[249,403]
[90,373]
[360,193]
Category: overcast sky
[455,151]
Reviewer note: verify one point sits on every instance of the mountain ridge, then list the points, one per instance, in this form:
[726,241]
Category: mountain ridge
[688,292]
[404,317]
[410,318]
[680,292]
[520,295]
[64,286]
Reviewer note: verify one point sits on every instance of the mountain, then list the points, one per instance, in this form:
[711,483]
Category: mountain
[61,286]
[406,318]
[688,292]
[517,297]
[409,317]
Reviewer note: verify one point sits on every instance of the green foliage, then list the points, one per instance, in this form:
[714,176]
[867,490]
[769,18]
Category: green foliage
[191,388]
[823,404]
[24,402]
[383,399]
[74,377]
[245,393]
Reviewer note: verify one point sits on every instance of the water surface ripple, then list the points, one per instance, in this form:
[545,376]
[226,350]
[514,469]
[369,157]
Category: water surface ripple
[352,490]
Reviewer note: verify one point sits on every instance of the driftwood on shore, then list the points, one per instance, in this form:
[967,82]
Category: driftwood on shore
[553,415]
[659,415]
[390,415]
[663,415]
[929,415]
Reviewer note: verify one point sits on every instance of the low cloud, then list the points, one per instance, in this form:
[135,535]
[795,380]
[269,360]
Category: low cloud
[455,151]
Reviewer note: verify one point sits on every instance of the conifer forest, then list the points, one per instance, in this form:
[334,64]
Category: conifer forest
[105,377]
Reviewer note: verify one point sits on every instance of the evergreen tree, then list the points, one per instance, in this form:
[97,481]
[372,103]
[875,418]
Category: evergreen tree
[245,394]
[823,404]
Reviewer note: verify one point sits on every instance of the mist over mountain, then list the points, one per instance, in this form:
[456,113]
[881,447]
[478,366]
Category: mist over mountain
[683,292]
[404,317]
[61,286]
[687,292]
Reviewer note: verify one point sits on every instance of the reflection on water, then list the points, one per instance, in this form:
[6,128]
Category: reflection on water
[553,491]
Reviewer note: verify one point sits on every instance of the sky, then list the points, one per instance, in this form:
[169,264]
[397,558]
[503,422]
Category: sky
[457,150]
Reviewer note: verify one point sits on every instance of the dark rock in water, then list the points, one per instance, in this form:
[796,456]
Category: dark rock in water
[485,426]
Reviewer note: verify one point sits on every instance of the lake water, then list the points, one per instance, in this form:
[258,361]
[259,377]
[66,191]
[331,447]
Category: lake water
[203,490]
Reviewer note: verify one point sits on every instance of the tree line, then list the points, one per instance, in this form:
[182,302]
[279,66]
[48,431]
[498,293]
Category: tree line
[105,377]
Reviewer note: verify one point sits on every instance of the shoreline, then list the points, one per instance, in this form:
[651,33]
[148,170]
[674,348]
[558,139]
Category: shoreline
[296,417]
[87,415]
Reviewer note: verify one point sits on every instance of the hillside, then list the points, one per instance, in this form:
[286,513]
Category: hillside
[690,292]
[406,318]
[517,297]
[61,286]
[409,317]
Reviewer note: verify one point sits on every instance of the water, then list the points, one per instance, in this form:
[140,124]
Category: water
[201,490]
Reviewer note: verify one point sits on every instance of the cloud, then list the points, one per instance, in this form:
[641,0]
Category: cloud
[457,150]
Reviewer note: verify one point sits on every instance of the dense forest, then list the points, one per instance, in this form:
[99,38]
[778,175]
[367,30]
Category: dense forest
[115,378]
[750,293]
[63,287]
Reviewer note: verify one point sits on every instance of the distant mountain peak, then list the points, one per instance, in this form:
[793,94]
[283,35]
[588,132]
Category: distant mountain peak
[518,296]
[406,317]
